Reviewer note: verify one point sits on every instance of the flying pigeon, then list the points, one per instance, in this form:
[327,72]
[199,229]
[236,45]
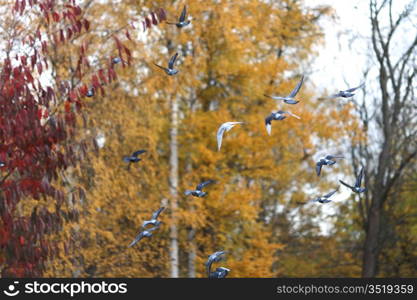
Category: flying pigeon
[181,21]
[328,160]
[219,273]
[116,60]
[222,129]
[90,93]
[277,116]
[357,188]
[346,93]
[170,70]
[133,158]
[198,192]
[290,98]
[143,234]
[215,257]
[325,198]
[153,221]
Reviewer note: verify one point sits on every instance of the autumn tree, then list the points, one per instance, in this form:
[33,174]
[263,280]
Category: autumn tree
[41,97]
[230,55]
[387,114]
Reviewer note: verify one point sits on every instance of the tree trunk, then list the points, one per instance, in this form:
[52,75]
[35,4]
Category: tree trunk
[192,254]
[174,187]
[370,255]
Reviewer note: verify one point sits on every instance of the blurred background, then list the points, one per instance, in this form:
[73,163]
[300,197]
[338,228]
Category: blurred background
[231,54]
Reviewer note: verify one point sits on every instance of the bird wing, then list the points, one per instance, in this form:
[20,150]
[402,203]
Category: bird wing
[220,133]
[172,61]
[330,194]
[157,213]
[355,88]
[183,14]
[331,157]
[333,96]
[275,97]
[163,68]
[268,123]
[203,184]
[137,239]
[297,88]
[139,152]
[126,159]
[188,192]
[345,184]
[359,179]
[293,115]
[318,168]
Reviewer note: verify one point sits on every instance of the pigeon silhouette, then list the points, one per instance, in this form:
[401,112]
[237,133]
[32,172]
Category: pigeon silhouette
[181,20]
[170,70]
[357,187]
[145,233]
[219,273]
[290,98]
[133,158]
[277,116]
[328,160]
[222,129]
[198,192]
[325,198]
[215,257]
[154,219]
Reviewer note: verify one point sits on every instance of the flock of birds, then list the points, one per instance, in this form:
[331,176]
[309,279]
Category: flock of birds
[149,226]
[328,160]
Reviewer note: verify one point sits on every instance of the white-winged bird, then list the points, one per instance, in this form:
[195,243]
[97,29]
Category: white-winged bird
[222,129]
[198,192]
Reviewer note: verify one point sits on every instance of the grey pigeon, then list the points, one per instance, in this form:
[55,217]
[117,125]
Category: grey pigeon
[277,116]
[215,257]
[154,219]
[90,93]
[325,198]
[133,158]
[346,93]
[328,160]
[116,60]
[170,70]
[143,234]
[225,127]
[357,188]
[181,21]
[290,98]
[219,273]
[198,192]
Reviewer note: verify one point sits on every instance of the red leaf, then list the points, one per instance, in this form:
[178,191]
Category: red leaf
[55,17]
[86,25]
[154,20]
